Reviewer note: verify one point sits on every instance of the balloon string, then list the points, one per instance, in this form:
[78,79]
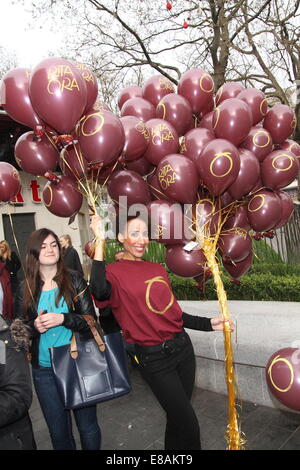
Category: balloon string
[19,253]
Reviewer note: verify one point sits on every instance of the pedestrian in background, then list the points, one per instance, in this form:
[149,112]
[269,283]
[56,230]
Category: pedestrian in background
[70,256]
[12,263]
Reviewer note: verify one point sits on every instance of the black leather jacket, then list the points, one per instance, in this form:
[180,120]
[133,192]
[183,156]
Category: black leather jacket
[82,305]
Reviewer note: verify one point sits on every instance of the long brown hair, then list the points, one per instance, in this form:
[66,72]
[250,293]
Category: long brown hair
[33,282]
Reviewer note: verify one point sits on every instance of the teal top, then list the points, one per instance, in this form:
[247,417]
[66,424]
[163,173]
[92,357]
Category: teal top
[56,336]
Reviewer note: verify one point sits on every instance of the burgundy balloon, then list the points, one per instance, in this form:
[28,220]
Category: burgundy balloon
[194,142]
[206,122]
[138,107]
[140,166]
[167,222]
[130,184]
[280,121]
[155,188]
[257,102]
[283,376]
[101,137]
[291,146]
[10,183]
[218,165]
[178,178]
[36,156]
[226,199]
[129,92]
[63,198]
[73,164]
[236,270]
[208,108]
[136,137]
[197,87]
[176,110]
[258,141]
[185,263]
[279,169]
[58,93]
[264,210]
[287,207]
[163,140]
[15,97]
[232,120]
[239,218]
[248,175]
[91,84]
[228,90]
[235,244]
[156,87]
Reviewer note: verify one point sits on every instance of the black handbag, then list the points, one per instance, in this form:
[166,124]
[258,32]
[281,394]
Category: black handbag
[92,371]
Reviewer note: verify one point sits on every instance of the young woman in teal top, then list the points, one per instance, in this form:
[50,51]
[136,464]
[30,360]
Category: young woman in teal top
[53,300]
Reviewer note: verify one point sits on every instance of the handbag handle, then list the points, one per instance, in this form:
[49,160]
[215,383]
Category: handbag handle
[92,325]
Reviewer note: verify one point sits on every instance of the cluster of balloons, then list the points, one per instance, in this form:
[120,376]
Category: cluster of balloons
[194,157]
[283,376]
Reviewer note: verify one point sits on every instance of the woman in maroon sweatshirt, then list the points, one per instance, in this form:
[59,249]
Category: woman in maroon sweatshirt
[153,324]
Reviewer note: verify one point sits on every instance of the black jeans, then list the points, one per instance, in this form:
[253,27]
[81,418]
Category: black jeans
[171,377]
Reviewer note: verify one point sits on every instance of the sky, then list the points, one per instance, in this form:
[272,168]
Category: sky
[30,44]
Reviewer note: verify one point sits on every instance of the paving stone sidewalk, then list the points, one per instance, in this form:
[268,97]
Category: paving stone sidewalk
[136,422]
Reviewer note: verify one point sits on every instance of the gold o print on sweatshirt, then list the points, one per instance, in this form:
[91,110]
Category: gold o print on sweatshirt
[150,283]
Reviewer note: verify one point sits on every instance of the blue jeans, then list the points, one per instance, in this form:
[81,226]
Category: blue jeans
[59,419]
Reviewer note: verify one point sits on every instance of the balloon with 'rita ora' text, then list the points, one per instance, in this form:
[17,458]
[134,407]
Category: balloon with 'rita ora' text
[58,93]
[178,178]
[163,140]
[156,87]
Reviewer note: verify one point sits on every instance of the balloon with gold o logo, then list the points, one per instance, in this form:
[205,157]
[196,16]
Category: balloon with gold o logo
[197,86]
[259,141]
[279,169]
[257,102]
[156,87]
[218,165]
[62,198]
[283,376]
[280,121]
[264,210]
[101,137]
[291,146]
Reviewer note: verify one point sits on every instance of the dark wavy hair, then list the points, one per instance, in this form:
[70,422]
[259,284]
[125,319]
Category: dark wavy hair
[33,282]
